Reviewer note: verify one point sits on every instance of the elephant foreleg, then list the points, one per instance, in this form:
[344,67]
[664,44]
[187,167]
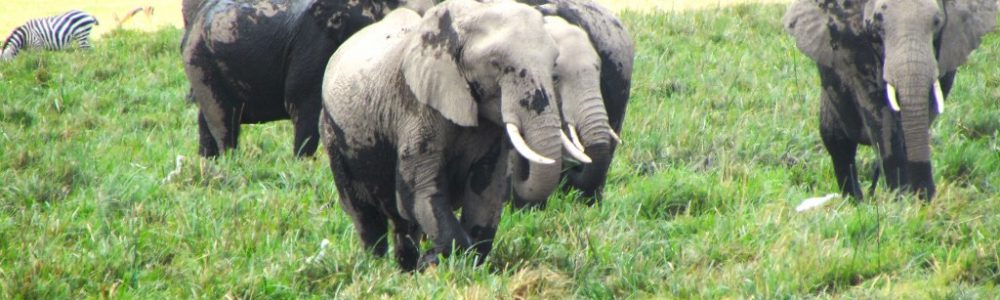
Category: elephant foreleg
[485,192]
[840,129]
[842,151]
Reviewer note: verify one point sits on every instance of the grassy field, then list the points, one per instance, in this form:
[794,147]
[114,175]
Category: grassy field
[721,144]
[165,13]
[168,12]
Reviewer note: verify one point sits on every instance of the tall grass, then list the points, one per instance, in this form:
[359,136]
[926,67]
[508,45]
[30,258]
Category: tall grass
[721,142]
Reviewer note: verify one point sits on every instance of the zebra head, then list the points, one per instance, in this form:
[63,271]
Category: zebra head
[13,44]
[7,54]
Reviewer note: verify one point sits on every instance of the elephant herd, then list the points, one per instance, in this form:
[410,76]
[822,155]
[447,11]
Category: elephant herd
[426,108]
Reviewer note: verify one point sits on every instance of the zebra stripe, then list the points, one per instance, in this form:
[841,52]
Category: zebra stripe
[52,33]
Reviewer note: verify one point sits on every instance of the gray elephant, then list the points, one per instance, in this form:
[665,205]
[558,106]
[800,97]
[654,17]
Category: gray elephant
[415,116]
[577,82]
[262,60]
[886,67]
[615,51]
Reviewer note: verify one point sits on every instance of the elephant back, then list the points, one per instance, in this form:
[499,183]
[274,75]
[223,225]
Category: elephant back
[373,42]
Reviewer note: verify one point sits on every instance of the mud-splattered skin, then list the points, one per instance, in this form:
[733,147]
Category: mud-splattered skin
[616,51]
[253,61]
[413,122]
[863,47]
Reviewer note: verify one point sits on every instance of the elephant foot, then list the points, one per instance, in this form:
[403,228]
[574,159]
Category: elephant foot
[524,204]
[429,259]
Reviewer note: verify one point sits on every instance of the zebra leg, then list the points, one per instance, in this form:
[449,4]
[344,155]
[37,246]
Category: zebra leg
[84,40]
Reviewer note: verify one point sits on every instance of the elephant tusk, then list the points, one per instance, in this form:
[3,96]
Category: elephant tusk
[573,150]
[891,93]
[615,136]
[522,147]
[939,96]
[575,137]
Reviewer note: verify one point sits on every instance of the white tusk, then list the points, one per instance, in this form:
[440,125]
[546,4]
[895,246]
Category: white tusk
[615,136]
[891,92]
[576,138]
[573,150]
[523,149]
[939,96]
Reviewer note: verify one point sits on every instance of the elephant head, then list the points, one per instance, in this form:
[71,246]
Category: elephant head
[577,77]
[899,58]
[473,61]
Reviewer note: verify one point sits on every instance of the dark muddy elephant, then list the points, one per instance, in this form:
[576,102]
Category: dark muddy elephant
[615,51]
[418,117]
[886,67]
[260,61]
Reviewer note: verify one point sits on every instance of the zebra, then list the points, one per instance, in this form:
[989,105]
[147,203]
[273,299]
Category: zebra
[53,33]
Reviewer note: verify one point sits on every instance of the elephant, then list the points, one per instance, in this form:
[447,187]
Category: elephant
[259,61]
[418,117]
[886,67]
[577,82]
[616,53]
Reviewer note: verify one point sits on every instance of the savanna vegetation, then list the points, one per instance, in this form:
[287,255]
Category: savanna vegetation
[721,144]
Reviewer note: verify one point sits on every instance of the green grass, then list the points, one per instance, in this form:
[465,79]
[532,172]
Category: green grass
[721,144]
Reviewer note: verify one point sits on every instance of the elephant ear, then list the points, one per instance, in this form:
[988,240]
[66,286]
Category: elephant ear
[967,22]
[812,27]
[430,68]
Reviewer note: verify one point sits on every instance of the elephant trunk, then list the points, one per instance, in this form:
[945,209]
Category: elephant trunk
[533,182]
[914,73]
[596,136]
[915,121]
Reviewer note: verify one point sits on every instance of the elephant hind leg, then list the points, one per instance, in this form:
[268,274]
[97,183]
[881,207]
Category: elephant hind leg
[207,146]
[218,127]
[304,106]
[219,111]
[357,196]
[406,245]
[357,200]
[306,137]
[370,224]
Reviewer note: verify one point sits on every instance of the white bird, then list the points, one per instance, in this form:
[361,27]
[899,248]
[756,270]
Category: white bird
[178,164]
[815,202]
